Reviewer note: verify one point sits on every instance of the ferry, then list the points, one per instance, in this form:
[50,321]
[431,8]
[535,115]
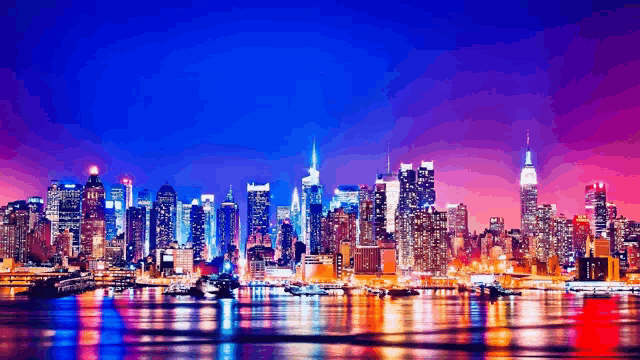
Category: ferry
[307,290]
[63,286]
[397,291]
[177,289]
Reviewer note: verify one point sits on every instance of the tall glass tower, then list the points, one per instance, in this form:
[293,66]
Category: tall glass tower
[312,193]
[528,196]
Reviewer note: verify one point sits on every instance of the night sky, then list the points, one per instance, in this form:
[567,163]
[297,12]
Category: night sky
[203,96]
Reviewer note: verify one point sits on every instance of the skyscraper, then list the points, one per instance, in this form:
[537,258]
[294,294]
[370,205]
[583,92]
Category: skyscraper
[135,233]
[285,243]
[595,204]
[392,191]
[198,238]
[341,228]
[430,241]
[407,203]
[165,216]
[208,206]
[52,206]
[563,240]
[345,197]
[144,201]
[258,209]
[128,192]
[312,193]
[118,195]
[379,226]
[425,185]
[365,216]
[315,228]
[70,215]
[110,220]
[581,231]
[228,227]
[528,195]
[543,244]
[458,220]
[94,230]
[295,212]
[496,225]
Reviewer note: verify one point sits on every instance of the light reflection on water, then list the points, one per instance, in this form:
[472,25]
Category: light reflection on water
[269,323]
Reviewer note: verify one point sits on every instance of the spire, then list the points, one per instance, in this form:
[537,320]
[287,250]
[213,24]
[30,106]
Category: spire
[314,158]
[388,159]
[527,160]
[229,197]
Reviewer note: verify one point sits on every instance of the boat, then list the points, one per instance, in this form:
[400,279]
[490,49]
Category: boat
[496,290]
[177,289]
[463,288]
[598,294]
[397,291]
[308,290]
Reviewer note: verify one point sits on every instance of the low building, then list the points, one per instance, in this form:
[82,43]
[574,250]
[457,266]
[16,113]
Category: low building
[321,268]
[175,260]
[598,269]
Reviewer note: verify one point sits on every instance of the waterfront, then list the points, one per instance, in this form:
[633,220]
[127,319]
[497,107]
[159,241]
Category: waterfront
[268,323]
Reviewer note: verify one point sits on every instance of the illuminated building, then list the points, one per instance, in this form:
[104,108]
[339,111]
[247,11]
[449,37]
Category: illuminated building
[598,269]
[52,207]
[341,227]
[496,225]
[118,195]
[595,204]
[295,212]
[258,209]
[175,259]
[374,260]
[70,215]
[392,191]
[321,268]
[312,193]
[36,210]
[612,212]
[165,216]
[208,206]
[183,226]
[93,233]
[110,220]
[128,192]
[284,244]
[430,241]
[345,197]
[425,185]
[228,228]
[563,240]
[543,240]
[15,228]
[365,216]
[135,234]
[581,231]
[528,195]
[314,222]
[407,203]
[198,238]
[458,220]
[619,231]
[379,226]
[144,201]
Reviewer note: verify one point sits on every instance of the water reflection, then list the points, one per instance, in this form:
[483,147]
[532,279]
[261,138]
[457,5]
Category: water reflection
[269,323]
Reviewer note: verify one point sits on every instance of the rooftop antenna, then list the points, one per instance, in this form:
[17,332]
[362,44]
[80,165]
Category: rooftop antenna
[388,159]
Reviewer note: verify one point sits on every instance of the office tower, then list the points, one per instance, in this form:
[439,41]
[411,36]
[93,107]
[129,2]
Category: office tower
[528,195]
[198,236]
[282,213]
[228,227]
[128,192]
[285,243]
[36,210]
[345,197]
[365,216]
[110,220]
[407,203]
[341,226]
[258,209]
[595,204]
[165,216]
[179,220]
[430,241]
[295,212]
[619,231]
[315,228]
[612,212]
[144,201]
[379,225]
[135,233]
[457,220]
[425,185]
[563,240]
[94,230]
[52,206]
[183,226]
[70,215]
[208,206]
[392,190]
[544,232]
[496,225]
[312,193]
[581,231]
[39,239]
[15,229]
[118,196]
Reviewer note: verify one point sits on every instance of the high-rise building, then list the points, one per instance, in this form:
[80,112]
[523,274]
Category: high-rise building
[430,241]
[118,195]
[619,231]
[544,232]
[36,210]
[612,212]
[110,220]
[496,225]
[458,220]
[595,204]
[228,227]
[144,201]
[258,209]
[198,238]
[528,195]
[165,217]
[183,214]
[379,226]
[563,240]
[128,192]
[345,197]
[312,193]
[285,244]
[315,228]
[15,230]
[581,231]
[341,227]
[93,233]
[365,216]
[392,191]
[295,212]
[208,206]
[407,203]
[425,185]
[52,207]
[70,215]
[135,233]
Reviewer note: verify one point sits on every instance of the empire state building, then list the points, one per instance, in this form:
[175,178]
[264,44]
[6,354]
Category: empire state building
[528,195]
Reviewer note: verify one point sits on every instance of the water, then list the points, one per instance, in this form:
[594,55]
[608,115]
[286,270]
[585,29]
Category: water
[268,323]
